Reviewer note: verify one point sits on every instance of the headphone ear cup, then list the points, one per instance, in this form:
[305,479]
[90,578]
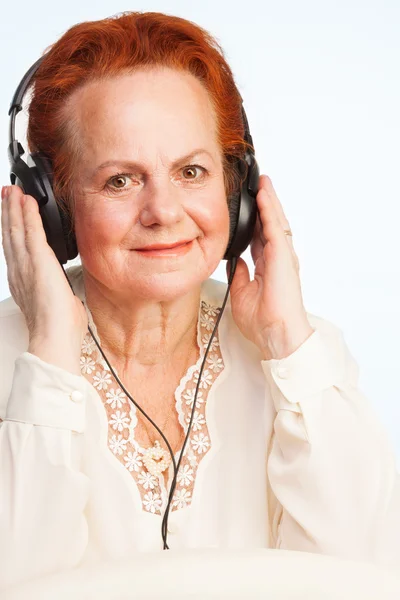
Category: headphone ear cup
[57,224]
[243,209]
[234,206]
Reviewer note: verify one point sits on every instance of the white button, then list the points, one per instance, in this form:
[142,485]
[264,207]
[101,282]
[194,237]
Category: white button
[76,396]
[172,528]
[282,372]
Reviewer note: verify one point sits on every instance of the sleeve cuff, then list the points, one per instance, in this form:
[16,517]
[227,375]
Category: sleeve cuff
[316,365]
[44,394]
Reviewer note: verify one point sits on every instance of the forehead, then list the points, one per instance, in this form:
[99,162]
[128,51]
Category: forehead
[155,109]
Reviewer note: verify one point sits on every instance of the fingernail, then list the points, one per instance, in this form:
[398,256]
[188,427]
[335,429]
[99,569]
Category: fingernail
[5,192]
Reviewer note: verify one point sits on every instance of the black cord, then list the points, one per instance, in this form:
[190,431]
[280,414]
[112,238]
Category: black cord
[164,525]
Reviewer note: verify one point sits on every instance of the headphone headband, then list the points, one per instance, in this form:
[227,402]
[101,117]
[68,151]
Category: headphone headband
[16,102]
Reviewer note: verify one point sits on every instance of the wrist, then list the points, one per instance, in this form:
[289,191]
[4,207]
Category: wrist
[282,340]
[56,353]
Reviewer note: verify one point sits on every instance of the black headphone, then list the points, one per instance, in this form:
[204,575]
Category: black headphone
[35,177]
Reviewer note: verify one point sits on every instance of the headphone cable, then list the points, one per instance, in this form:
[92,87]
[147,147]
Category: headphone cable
[164,526]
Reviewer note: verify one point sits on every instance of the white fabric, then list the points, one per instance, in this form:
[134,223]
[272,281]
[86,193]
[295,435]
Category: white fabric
[211,574]
[298,460]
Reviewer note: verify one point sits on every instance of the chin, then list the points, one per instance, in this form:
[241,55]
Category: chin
[169,280]
[166,287]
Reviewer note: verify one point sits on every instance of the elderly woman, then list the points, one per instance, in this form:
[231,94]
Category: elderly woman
[273,445]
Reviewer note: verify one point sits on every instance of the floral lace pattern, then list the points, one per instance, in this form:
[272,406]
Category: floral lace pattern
[122,419]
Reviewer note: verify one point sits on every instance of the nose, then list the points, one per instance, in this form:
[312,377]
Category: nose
[161,206]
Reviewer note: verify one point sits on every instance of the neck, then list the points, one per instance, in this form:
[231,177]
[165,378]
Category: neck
[142,331]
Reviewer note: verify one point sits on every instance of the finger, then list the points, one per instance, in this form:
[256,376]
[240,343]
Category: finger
[258,242]
[259,231]
[277,209]
[275,200]
[35,236]
[5,234]
[241,277]
[16,227]
[272,229]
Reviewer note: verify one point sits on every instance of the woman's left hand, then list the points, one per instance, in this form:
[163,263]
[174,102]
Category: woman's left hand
[269,310]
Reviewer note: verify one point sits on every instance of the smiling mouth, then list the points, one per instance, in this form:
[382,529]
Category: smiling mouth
[165,246]
[160,250]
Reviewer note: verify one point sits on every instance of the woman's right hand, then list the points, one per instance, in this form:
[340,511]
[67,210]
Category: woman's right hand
[56,319]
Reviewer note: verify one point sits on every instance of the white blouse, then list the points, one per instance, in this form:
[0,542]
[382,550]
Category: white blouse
[282,454]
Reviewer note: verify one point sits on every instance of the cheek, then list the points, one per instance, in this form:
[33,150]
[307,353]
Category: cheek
[99,228]
[213,218]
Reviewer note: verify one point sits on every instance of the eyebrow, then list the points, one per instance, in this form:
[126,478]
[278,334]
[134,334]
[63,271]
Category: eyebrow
[137,166]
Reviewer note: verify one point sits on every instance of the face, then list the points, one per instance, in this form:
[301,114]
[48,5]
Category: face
[151,217]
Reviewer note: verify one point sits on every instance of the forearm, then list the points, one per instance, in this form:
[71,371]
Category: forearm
[42,499]
[331,467]
[334,475]
[43,493]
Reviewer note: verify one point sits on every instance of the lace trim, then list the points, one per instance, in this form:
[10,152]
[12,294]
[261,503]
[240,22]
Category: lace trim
[122,419]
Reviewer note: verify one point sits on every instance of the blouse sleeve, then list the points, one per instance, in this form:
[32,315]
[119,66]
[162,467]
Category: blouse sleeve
[42,492]
[330,466]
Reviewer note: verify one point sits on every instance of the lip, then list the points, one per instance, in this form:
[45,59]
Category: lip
[165,250]
[163,246]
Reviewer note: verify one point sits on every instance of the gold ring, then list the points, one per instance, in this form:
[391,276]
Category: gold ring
[288,232]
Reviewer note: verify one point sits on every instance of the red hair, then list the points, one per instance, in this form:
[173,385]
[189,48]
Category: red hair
[109,47]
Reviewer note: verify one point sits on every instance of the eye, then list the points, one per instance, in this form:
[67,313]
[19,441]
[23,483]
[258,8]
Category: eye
[117,182]
[191,170]
[119,179]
